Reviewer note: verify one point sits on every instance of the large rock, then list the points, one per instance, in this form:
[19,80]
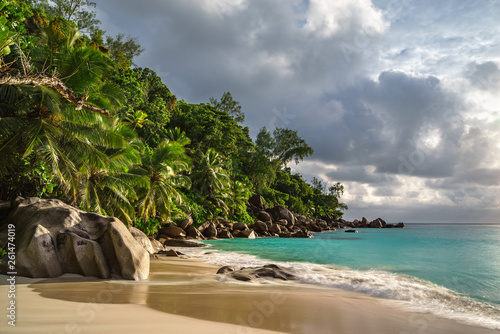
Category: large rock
[376,224]
[250,234]
[400,225]
[256,201]
[275,228]
[260,226]
[194,233]
[240,226]
[302,234]
[187,222]
[172,232]
[182,243]
[53,238]
[143,239]
[225,234]
[278,212]
[264,216]
[210,231]
[157,246]
[269,271]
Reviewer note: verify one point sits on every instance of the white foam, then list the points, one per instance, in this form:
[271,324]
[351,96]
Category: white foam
[416,294]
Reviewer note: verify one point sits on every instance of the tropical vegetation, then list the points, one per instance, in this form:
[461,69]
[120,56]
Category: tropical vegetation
[81,122]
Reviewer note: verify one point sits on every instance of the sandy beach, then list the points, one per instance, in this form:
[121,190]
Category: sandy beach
[184,296]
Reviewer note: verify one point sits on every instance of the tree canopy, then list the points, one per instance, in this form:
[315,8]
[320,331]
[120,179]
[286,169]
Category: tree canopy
[79,121]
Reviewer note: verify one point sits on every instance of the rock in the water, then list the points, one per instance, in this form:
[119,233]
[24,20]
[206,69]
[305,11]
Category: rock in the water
[260,226]
[250,274]
[173,253]
[275,228]
[400,225]
[182,243]
[376,224]
[225,269]
[285,235]
[351,231]
[210,231]
[194,233]
[143,239]
[250,234]
[302,234]
[53,238]
[172,232]
[225,234]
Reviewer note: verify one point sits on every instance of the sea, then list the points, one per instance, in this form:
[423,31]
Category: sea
[449,270]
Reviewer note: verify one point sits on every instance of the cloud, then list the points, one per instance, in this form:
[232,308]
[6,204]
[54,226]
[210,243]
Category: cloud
[399,99]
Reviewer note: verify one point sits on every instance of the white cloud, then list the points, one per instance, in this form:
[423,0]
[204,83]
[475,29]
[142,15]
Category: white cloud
[398,98]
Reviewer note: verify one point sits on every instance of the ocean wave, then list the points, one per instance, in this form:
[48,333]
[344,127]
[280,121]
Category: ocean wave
[415,294]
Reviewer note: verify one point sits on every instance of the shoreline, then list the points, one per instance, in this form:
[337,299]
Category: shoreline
[183,295]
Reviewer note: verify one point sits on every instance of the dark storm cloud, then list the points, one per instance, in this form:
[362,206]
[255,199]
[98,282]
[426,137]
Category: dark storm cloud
[386,123]
[369,86]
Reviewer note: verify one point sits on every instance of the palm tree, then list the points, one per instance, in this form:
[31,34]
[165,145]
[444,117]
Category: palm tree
[108,187]
[162,167]
[210,180]
[237,195]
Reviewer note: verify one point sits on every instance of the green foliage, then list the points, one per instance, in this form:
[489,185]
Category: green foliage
[123,49]
[31,178]
[208,127]
[193,206]
[140,165]
[230,106]
[148,226]
[78,11]
[162,167]
[148,103]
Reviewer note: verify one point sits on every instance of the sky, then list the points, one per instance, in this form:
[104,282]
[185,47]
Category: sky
[400,99]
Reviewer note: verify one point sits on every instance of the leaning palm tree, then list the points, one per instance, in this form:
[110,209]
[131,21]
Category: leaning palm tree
[44,118]
[163,168]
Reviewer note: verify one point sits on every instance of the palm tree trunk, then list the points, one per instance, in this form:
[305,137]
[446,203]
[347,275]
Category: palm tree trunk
[54,83]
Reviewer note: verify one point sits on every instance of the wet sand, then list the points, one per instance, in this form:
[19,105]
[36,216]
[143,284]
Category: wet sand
[184,296]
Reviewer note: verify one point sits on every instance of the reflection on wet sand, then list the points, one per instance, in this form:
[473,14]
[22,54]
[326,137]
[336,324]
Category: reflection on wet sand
[189,288]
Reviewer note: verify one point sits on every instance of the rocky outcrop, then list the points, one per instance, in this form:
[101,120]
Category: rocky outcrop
[53,238]
[278,212]
[172,232]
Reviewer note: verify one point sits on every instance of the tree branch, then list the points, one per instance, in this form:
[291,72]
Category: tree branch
[54,83]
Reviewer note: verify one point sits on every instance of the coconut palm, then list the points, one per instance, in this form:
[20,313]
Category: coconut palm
[237,194]
[108,187]
[163,168]
[210,179]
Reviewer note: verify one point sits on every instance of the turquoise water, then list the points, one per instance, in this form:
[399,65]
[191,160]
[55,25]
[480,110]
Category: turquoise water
[463,258]
[411,264]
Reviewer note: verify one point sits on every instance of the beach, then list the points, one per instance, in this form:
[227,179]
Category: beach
[184,296]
